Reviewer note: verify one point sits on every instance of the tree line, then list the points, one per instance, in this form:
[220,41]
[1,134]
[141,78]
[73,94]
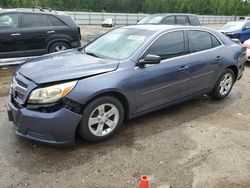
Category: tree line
[202,7]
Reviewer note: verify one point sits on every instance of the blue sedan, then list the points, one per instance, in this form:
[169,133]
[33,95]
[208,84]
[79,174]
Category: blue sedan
[127,72]
[237,29]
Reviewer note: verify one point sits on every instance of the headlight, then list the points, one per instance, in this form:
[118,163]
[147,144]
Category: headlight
[51,94]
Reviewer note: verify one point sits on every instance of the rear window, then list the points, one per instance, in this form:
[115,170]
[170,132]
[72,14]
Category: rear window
[201,40]
[55,21]
[35,20]
[194,20]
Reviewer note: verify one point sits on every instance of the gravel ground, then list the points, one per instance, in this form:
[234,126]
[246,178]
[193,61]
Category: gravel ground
[201,144]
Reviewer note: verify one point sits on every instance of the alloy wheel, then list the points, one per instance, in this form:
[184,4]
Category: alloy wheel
[226,84]
[60,48]
[103,119]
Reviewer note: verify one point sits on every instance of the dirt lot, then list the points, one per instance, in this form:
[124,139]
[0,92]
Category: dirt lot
[201,144]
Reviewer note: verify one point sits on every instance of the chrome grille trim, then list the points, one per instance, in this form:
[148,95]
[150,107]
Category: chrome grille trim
[19,92]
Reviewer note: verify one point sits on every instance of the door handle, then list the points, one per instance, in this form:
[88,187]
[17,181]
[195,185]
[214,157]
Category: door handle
[218,58]
[50,32]
[15,34]
[184,67]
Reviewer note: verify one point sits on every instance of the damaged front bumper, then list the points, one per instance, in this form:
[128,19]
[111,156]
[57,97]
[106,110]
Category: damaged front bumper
[57,127]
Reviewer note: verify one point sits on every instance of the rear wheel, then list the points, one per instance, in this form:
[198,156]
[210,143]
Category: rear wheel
[101,119]
[58,46]
[224,85]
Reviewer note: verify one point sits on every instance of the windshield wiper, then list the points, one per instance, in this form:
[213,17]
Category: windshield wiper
[92,54]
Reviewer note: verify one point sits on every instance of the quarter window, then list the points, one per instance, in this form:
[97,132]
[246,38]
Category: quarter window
[170,20]
[169,45]
[8,21]
[35,20]
[182,20]
[215,42]
[55,21]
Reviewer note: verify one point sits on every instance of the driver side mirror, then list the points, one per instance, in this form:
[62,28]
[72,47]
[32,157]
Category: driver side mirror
[149,59]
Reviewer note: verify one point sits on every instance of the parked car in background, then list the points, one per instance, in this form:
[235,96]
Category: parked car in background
[171,19]
[143,68]
[244,18]
[246,45]
[237,29]
[32,32]
[108,22]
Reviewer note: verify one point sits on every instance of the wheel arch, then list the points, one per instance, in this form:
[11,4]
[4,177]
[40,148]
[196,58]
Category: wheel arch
[118,95]
[235,70]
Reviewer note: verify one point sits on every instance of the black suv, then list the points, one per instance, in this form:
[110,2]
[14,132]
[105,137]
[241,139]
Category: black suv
[33,32]
[171,19]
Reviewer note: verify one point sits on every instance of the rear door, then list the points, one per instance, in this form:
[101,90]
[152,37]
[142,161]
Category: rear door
[35,29]
[10,36]
[60,30]
[205,59]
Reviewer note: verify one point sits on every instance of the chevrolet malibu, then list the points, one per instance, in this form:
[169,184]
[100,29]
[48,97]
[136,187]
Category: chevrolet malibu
[127,72]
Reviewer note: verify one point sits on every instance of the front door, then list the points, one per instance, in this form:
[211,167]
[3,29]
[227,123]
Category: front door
[165,82]
[10,36]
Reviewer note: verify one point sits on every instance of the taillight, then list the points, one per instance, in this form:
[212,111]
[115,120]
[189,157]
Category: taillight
[79,31]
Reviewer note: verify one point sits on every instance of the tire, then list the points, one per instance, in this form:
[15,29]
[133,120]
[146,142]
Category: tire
[94,119]
[224,85]
[58,46]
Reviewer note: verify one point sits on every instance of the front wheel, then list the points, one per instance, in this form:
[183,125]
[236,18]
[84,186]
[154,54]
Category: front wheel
[224,85]
[101,119]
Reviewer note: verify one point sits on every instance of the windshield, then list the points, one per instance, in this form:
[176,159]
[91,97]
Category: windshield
[234,25]
[118,44]
[151,20]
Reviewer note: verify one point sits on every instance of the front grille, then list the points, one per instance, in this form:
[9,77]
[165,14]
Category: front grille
[19,90]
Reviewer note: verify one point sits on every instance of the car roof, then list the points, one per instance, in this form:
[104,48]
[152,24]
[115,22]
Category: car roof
[162,28]
[172,14]
[32,10]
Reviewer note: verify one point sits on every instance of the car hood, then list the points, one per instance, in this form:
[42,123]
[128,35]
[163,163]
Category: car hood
[68,65]
[228,31]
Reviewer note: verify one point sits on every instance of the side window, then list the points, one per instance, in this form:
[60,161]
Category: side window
[34,20]
[55,21]
[170,20]
[168,46]
[182,20]
[8,21]
[200,40]
[194,20]
[215,42]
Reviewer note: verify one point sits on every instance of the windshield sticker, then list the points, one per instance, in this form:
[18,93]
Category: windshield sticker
[136,37]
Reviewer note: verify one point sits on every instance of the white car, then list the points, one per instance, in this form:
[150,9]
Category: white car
[246,44]
[108,22]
